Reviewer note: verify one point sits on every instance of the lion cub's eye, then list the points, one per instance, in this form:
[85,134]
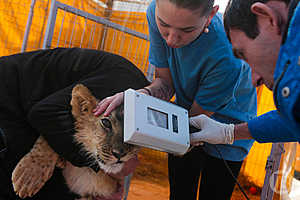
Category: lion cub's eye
[106,123]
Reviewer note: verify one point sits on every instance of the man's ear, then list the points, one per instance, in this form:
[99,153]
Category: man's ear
[82,102]
[267,15]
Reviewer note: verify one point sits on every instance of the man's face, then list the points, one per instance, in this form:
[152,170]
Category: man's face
[178,26]
[260,53]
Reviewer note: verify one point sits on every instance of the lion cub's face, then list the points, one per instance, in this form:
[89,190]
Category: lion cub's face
[101,137]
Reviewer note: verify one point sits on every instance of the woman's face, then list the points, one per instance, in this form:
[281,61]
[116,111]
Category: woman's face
[179,26]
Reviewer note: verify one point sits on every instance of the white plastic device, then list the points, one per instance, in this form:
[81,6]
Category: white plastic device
[154,123]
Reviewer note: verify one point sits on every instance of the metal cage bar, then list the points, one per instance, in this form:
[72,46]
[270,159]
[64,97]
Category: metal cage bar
[55,5]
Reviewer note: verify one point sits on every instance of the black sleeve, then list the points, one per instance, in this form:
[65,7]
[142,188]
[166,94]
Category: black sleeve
[53,119]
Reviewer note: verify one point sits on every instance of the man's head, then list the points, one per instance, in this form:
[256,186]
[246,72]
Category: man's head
[181,21]
[255,29]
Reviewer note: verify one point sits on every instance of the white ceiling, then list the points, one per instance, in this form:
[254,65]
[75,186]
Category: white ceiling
[222,4]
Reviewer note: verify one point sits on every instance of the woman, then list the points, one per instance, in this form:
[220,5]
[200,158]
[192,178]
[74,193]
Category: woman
[193,60]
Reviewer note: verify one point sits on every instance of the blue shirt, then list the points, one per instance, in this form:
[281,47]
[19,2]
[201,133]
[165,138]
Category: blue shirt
[207,71]
[283,125]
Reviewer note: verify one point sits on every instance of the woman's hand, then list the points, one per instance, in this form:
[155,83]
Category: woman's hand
[108,104]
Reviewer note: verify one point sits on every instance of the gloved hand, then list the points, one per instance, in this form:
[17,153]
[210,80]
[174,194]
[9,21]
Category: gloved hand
[211,131]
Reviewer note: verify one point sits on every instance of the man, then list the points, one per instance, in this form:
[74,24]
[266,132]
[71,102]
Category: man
[266,35]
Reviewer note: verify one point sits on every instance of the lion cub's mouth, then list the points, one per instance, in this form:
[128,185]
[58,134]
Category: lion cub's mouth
[110,161]
[110,167]
[119,161]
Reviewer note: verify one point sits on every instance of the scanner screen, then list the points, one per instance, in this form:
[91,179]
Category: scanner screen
[157,118]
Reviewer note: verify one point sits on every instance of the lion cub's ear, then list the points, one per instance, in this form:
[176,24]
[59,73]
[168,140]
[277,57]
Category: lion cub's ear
[83,102]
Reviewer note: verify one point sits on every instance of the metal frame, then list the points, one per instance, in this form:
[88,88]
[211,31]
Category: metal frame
[28,25]
[272,166]
[55,5]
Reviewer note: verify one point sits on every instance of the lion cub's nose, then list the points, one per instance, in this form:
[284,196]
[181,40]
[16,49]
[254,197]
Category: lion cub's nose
[118,153]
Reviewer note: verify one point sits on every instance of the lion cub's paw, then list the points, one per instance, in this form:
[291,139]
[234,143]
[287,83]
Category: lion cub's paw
[34,169]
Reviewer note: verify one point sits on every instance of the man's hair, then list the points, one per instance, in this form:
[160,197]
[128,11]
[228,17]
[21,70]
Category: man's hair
[205,5]
[238,15]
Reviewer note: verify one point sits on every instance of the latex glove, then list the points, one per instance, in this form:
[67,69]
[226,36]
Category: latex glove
[212,132]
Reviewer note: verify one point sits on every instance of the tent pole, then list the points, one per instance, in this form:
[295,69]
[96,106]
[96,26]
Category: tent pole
[28,25]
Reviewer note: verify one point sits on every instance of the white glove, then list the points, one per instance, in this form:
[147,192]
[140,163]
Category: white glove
[211,131]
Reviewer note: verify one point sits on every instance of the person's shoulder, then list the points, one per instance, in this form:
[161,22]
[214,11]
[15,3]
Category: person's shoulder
[151,9]
[217,22]
[151,6]
[217,36]
[151,17]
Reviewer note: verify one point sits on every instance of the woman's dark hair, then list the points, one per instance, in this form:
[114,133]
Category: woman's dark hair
[206,5]
[238,15]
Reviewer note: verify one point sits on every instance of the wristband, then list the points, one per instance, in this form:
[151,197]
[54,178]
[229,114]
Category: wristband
[148,90]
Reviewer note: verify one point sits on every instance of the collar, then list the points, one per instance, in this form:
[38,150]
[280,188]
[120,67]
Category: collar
[293,5]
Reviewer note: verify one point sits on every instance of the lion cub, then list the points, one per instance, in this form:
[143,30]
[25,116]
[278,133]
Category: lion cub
[101,137]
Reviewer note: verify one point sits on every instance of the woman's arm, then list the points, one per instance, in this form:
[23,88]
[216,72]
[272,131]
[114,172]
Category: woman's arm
[196,109]
[162,86]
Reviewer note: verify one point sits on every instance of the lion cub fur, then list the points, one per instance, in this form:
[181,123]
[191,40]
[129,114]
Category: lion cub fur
[101,137]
